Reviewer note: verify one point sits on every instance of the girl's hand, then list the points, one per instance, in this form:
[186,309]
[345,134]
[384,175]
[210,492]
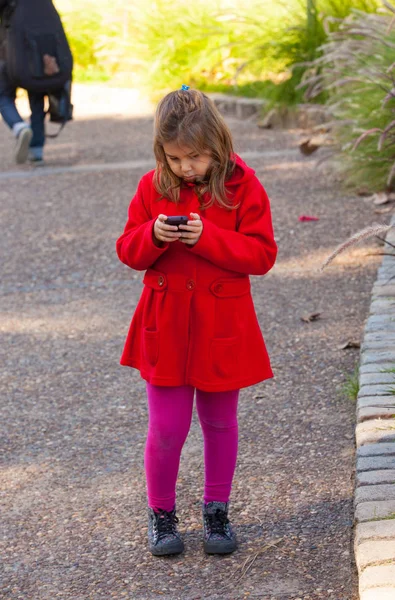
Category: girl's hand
[191,232]
[164,233]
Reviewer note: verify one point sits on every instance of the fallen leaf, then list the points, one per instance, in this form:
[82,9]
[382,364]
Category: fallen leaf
[310,318]
[322,128]
[308,218]
[364,192]
[380,198]
[306,147]
[311,144]
[350,344]
[383,211]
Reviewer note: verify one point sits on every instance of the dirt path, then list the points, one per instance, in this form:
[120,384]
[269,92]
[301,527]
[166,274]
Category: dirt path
[73,422]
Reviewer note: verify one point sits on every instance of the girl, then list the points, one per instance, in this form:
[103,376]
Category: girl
[195,325]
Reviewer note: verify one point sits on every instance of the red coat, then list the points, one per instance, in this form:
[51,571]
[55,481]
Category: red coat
[195,323]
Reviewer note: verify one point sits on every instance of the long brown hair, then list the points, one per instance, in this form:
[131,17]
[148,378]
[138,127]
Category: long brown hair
[192,119]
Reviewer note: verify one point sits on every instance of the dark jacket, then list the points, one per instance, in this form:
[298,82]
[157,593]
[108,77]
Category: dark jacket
[4,7]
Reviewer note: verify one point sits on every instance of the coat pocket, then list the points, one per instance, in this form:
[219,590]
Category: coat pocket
[224,356]
[151,346]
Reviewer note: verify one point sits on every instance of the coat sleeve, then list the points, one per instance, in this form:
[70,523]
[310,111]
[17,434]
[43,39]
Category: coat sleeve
[135,247]
[251,249]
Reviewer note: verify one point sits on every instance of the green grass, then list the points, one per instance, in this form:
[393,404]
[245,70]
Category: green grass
[350,388]
[387,518]
[366,165]
[252,48]
[356,71]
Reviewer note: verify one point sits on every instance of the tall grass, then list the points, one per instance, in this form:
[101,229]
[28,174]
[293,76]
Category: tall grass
[357,70]
[96,33]
[301,39]
[252,47]
[236,48]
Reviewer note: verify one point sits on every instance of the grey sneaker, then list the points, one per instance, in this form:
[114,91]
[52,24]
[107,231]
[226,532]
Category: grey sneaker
[35,155]
[163,537]
[218,535]
[22,145]
[35,160]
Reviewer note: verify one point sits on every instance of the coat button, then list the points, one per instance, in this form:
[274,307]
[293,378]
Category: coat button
[161,280]
[190,284]
[218,288]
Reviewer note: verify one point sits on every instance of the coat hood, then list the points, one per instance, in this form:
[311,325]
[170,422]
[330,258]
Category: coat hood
[242,172]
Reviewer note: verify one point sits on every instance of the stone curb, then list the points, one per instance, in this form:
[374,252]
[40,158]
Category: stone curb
[237,106]
[374,542]
[302,116]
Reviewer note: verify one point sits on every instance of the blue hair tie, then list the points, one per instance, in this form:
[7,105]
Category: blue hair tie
[184,87]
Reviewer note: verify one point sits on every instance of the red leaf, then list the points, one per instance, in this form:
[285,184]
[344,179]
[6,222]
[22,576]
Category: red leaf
[308,218]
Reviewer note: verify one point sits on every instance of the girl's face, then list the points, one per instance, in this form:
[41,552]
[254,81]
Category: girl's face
[185,162]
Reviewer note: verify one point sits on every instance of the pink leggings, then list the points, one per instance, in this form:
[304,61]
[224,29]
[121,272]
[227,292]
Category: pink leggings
[170,414]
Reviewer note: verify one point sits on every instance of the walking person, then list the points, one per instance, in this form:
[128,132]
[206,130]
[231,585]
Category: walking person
[199,225]
[34,49]
[21,130]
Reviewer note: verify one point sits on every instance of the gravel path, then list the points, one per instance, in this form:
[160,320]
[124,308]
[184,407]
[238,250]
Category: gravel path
[73,422]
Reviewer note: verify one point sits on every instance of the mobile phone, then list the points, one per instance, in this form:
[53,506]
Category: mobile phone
[178,220]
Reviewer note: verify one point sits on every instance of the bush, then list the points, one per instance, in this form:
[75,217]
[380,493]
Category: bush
[258,49]
[255,48]
[356,70]
[94,41]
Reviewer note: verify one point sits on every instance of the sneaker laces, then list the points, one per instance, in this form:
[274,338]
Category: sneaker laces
[217,522]
[165,523]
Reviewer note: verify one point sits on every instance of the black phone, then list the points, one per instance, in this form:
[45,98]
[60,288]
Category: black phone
[178,220]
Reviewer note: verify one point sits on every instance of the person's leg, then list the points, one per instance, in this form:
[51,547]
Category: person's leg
[36,102]
[218,418]
[8,109]
[11,116]
[170,414]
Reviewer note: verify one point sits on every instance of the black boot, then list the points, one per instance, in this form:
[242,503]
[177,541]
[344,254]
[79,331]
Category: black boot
[163,537]
[218,535]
